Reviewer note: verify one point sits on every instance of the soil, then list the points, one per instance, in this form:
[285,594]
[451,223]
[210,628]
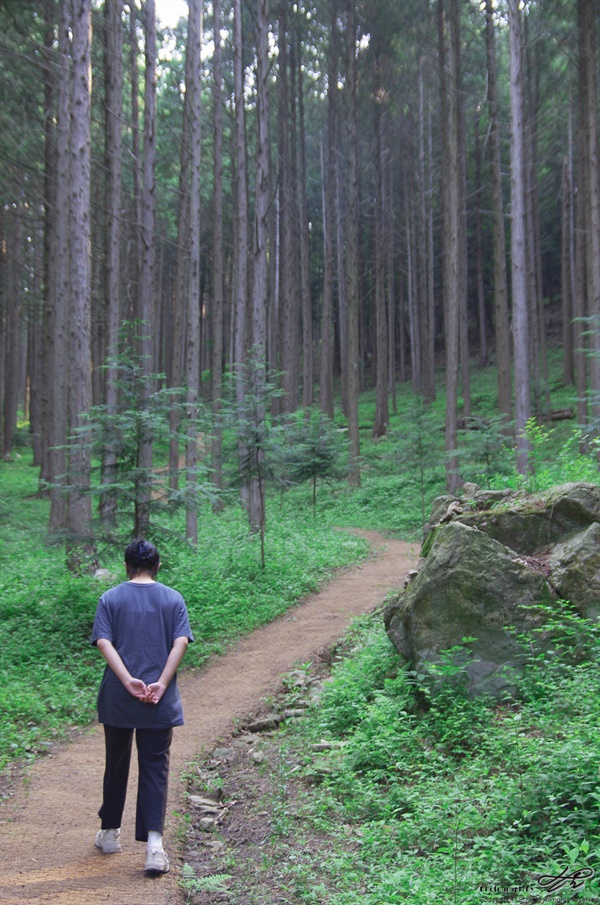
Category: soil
[48,824]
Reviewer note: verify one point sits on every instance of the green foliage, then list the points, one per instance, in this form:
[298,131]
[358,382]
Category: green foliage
[142,416]
[575,459]
[431,796]
[313,450]
[49,673]
[417,445]
[485,453]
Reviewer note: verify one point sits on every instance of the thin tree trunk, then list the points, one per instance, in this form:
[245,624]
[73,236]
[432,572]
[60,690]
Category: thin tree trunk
[288,298]
[518,241]
[241,280]
[567,263]
[481,312]
[218,259]
[148,258]
[452,201]
[11,359]
[501,320]
[180,282]
[303,226]
[326,362]
[381,320]
[113,116]
[586,18]
[59,289]
[80,548]
[134,310]
[192,343]
[352,282]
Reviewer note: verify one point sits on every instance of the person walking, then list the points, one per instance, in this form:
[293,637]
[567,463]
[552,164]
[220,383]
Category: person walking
[142,630]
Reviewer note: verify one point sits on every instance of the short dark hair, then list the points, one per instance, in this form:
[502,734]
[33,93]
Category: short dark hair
[141,556]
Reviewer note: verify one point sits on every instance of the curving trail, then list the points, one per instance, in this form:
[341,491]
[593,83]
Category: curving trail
[47,828]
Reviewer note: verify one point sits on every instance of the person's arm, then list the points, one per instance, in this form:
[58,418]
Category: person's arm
[135,687]
[156,690]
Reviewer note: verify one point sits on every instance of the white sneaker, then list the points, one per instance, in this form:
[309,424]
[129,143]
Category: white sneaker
[156,861]
[109,841]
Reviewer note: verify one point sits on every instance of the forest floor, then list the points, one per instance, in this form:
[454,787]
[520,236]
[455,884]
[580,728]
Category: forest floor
[48,823]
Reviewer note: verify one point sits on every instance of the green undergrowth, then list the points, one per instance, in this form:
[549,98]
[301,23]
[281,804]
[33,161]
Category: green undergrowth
[421,794]
[48,671]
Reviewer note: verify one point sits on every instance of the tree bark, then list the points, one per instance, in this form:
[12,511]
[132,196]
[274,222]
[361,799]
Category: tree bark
[218,259]
[501,319]
[304,240]
[113,153]
[586,19]
[80,547]
[381,320]
[518,238]
[192,344]
[147,257]
[352,281]
[451,201]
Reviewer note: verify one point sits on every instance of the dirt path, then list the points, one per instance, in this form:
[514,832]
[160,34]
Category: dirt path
[47,828]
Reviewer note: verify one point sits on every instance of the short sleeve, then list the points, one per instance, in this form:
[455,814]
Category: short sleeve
[181,622]
[102,627]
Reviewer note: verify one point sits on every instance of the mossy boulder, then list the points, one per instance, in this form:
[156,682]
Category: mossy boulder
[492,562]
[533,523]
[470,585]
[575,570]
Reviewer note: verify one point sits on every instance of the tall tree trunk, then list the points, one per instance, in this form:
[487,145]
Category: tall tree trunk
[426,251]
[218,259]
[566,271]
[241,275]
[288,291]
[326,360]
[148,258]
[11,358]
[58,289]
[192,344]
[80,549]
[381,319]
[260,278]
[588,80]
[462,157]
[352,282]
[518,240]
[180,281]
[501,320]
[390,244]
[260,285]
[113,152]
[134,310]
[452,204]
[481,308]
[304,239]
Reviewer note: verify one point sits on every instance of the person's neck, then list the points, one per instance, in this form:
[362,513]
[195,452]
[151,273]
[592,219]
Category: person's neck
[142,578]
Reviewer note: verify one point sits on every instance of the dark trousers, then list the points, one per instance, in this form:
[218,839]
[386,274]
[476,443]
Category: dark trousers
[153,748]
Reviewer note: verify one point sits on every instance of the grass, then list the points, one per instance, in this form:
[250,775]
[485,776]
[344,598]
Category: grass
[460,801]
[48,671]
[422,804]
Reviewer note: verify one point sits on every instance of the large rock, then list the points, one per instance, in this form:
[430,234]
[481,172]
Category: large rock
[528,524]
[575,569]
[469,585]
[489,562]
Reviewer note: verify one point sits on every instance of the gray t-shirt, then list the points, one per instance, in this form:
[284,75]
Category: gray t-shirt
[141,621]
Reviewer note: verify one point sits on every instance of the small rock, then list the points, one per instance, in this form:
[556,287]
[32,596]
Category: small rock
[266,724]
